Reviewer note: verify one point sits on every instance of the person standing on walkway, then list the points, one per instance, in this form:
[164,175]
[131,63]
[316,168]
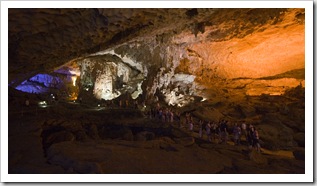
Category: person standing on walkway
[256,140]
[244,130]
[236,134]
[224,132]
[208,131]
[201,127]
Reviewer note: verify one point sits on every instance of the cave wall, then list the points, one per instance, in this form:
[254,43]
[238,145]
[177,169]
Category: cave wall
[264,55]
[180,53]
[248,63]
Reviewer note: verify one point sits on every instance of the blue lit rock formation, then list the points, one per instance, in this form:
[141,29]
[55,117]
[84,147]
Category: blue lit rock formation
[40,83]
[62,82]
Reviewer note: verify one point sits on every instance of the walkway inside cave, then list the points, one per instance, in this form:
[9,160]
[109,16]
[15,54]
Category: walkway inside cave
[68,137]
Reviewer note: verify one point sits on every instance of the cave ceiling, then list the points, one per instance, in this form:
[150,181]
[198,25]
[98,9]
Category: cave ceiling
[257,50]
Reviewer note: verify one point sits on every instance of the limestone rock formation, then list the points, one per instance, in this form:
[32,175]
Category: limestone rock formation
[92,78]
[206,44]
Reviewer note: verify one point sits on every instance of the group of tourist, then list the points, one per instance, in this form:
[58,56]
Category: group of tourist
[218,132]
[121,103]
[164,114]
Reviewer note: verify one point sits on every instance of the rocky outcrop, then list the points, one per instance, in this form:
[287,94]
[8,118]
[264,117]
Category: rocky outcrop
[166,44]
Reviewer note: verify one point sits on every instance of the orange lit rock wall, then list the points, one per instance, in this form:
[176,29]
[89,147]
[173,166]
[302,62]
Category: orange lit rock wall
[269,50]
[268,53]
[275,50]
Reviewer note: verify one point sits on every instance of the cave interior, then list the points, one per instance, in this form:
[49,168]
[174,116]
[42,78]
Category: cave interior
[84,84]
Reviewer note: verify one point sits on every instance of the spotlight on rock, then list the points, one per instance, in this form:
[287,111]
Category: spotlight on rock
[74,78]
[42,104]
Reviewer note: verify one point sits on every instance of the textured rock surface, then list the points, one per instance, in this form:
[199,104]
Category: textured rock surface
[234,64]
[213,43]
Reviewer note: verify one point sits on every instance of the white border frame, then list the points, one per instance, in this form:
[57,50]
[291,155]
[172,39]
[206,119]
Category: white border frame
[307,177]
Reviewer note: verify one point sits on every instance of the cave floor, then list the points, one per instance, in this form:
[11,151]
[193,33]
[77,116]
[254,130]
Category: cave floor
[70,138]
